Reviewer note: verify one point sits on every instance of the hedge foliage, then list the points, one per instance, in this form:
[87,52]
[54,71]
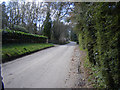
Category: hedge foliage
[11,36]
[98,30]
[20,28]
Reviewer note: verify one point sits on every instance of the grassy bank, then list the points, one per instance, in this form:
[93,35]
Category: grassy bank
[93,73]
[95,77]
[14,50]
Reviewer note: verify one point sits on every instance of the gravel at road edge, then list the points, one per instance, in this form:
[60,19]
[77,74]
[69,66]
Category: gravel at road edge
[77,72]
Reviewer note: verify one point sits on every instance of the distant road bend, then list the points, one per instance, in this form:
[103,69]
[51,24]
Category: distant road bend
[44,69]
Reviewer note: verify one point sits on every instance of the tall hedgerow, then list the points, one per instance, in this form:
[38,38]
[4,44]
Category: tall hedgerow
[98,26]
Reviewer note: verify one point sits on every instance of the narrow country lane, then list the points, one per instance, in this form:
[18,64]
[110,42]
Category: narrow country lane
[44,69]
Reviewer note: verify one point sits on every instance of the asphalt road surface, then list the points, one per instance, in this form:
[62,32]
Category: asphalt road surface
[44,69]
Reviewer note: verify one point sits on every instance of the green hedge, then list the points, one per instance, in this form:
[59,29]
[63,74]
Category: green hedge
[20,28]
[11,36]
[99,33]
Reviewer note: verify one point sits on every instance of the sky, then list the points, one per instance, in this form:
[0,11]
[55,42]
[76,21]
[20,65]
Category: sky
[20,0]
[63,0]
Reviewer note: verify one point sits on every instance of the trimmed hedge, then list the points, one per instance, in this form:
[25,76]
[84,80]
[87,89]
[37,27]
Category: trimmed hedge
[11,36]
[20,28]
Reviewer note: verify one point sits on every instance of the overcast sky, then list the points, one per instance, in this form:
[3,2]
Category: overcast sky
[21,0]
[64,0]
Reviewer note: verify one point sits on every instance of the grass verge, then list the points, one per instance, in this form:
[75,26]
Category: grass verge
[92,73]
[11,51]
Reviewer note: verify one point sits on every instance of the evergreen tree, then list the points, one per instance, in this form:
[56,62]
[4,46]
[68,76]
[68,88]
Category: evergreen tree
[47,26]
[4,16]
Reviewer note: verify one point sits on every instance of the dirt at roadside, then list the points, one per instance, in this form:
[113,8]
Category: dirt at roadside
[78,74]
